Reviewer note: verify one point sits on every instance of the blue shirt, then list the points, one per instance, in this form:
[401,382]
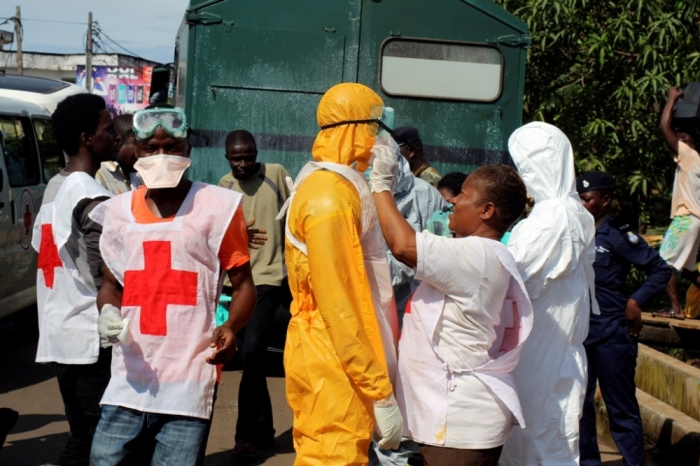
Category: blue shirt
[617,248]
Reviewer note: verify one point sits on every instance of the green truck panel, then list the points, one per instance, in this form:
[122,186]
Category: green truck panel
[263,66]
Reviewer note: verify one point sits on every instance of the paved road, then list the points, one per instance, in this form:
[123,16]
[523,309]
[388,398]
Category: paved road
[42,430]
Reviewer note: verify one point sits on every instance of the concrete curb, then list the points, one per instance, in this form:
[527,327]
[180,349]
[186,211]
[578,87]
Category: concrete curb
[675,436]
[672,381]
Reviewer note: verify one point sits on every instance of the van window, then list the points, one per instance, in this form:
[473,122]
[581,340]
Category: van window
[52,159]
[447,70]
[19,150]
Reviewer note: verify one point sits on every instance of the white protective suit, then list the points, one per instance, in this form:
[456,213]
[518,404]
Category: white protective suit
[417,201]
[554,249]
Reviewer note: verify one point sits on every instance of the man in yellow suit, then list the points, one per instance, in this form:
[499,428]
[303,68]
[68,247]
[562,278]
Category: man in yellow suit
[340,350]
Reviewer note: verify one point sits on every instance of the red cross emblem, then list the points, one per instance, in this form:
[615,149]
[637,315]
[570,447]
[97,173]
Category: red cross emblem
[27,221]
[156,286]
[48,255]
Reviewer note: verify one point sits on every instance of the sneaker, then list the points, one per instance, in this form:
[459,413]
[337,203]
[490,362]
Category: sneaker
[244,453]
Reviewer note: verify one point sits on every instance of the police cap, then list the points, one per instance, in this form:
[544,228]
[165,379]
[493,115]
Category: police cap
[595,181]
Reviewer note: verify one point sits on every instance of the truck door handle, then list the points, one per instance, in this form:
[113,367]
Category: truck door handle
[12,211]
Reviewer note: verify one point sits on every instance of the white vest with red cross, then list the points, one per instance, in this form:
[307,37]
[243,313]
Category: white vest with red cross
[171,276]
[66,304]
[426,382]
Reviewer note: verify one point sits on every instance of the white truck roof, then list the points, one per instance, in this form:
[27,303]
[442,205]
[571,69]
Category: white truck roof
[41,91]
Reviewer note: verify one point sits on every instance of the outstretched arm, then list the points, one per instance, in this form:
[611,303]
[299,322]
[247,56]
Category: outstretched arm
[667,115]
[398,234]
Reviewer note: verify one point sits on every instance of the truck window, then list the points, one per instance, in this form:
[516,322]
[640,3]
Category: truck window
[19,150]
[52,159]
[444,70]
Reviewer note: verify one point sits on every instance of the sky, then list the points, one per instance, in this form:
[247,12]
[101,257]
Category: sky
[145,27]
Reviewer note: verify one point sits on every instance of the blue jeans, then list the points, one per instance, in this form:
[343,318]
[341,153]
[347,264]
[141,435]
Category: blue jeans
[127,436]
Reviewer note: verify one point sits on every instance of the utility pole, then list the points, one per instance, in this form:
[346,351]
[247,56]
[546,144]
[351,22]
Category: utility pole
[18,35]
[88,55]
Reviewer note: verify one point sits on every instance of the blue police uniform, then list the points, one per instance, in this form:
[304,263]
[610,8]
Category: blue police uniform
[611,350]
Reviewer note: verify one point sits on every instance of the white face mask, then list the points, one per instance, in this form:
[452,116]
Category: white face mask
[162,171]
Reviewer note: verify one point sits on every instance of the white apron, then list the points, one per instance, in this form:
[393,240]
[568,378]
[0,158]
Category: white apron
[425,380]
[171,274]
[66,304]
[373,251]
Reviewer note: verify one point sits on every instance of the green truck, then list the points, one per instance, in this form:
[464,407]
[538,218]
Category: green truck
[455,69]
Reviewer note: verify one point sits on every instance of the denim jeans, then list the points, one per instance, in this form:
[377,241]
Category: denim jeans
[254,423]
[82,387]
[127,436]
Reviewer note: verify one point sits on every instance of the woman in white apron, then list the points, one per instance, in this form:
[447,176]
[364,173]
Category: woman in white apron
[467,321]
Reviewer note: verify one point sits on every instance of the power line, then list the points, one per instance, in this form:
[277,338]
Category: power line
[101,31]
[44,21]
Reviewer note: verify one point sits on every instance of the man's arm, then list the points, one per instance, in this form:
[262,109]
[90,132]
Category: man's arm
[241,309]
[92,263]
[667,115]
[111,290]
[235,259]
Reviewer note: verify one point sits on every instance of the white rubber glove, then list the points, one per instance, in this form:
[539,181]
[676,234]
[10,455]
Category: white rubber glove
[389,423]
[385,167]
[111,325]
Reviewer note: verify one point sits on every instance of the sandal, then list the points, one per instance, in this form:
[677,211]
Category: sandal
[669,314]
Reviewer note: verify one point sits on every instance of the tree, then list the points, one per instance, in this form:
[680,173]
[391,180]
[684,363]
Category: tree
[600,71]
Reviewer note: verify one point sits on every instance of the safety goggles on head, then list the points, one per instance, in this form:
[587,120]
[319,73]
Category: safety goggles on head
[380,115]
[172,120]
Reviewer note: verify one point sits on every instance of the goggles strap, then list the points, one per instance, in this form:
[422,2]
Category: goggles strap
[353,122]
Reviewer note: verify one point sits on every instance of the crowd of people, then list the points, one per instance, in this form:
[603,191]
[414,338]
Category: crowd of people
[456,320]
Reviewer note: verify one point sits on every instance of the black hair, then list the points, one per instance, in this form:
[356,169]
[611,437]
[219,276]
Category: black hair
[75,115]
[452,182]
[159,105]
[240,136]
[124,124]
[501,185]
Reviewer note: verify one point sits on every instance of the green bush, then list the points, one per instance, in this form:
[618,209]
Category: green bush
[600,71]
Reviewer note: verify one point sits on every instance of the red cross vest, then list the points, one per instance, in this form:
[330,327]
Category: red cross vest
[426,383]
[171,276]
[66,303]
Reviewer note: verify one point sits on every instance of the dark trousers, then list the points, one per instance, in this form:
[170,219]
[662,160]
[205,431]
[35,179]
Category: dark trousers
[443,456]
[82,387]
[612,362]
[254,407]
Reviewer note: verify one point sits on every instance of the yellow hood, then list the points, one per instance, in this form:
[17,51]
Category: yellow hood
[347,144]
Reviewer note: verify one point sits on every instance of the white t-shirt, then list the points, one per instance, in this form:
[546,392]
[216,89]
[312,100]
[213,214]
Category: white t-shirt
[475,284]
[686,184]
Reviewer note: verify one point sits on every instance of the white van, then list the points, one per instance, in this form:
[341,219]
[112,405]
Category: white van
[29,157]
[41,91]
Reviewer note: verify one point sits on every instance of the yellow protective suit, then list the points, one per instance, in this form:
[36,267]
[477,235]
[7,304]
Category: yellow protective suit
[334,358]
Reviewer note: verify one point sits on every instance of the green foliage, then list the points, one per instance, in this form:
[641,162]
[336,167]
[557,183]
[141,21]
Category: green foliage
[600,70]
